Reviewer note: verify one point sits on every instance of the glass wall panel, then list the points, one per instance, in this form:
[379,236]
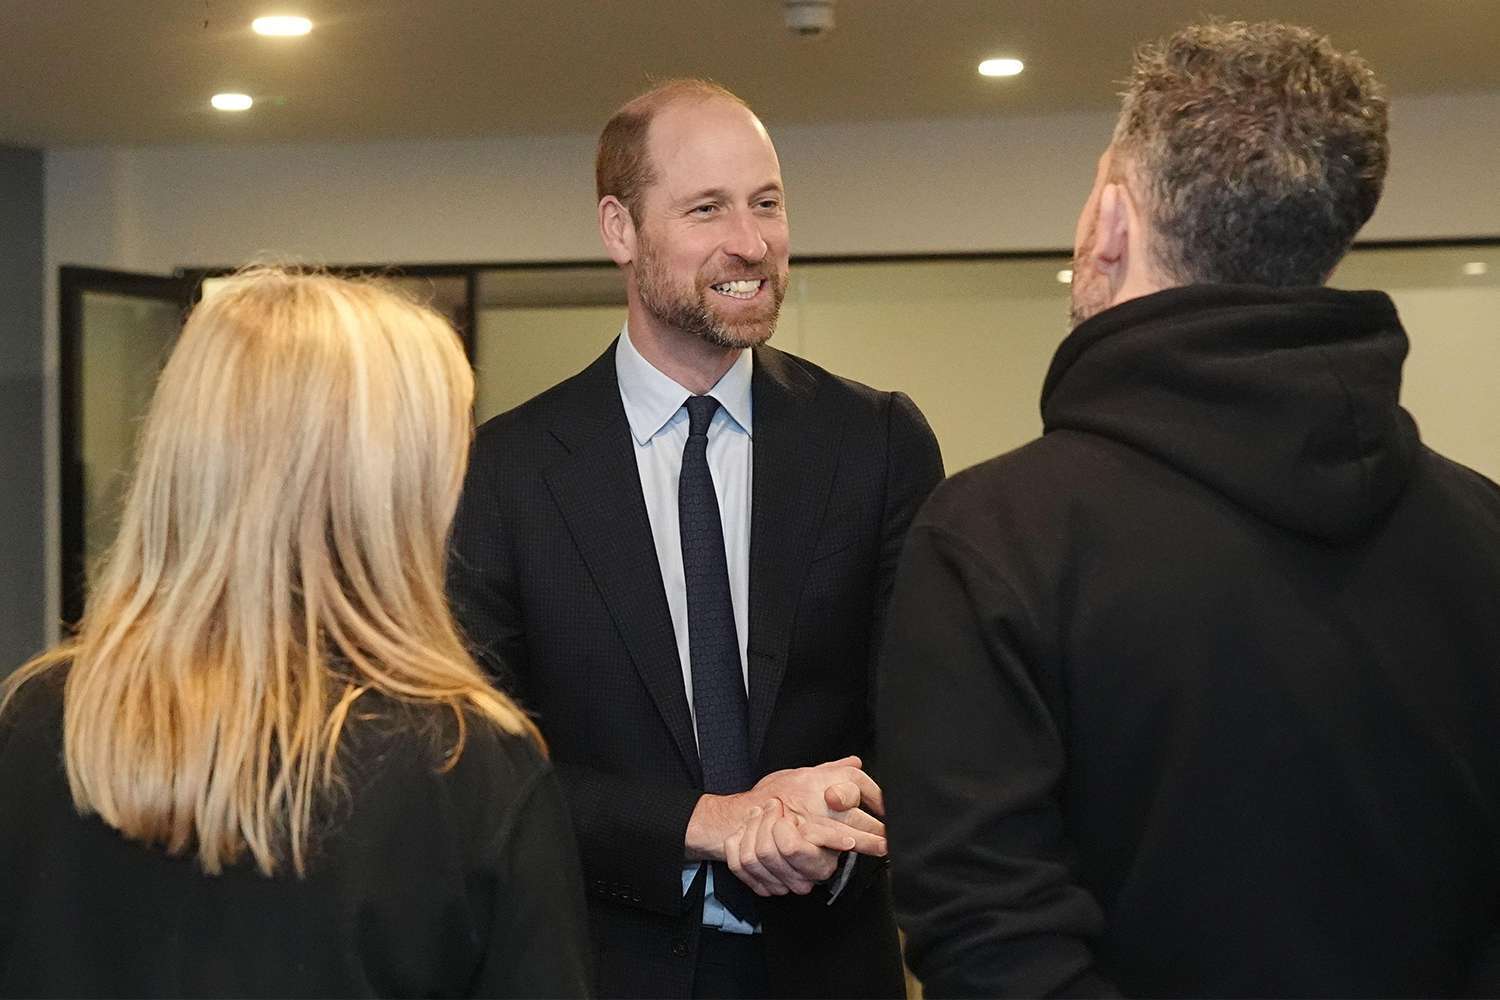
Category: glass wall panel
[126,341]
[971,340]
[1449,301]
[537,326]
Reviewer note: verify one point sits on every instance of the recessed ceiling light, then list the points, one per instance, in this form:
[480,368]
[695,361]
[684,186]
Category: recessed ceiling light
[1475,268]
[281,26]
[1001,67]
[231,102]
[1065,276]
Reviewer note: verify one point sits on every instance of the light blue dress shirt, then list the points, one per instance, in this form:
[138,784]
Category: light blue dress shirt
[659,426]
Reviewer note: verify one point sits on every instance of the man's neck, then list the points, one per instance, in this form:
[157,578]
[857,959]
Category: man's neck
[685,358]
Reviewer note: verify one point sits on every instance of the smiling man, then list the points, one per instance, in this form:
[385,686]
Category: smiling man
[679,559]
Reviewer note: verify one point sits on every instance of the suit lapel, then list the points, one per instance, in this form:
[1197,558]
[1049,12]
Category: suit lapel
[597,488]
[794,457]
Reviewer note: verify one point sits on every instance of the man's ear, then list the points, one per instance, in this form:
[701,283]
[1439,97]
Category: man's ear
[617,230]
[1113,228]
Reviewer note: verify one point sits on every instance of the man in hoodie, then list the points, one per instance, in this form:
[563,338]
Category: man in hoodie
[1198,694]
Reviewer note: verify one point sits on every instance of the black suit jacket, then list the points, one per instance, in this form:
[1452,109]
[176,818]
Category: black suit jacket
[556,582]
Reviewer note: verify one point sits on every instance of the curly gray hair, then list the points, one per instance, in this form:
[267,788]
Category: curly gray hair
[1261,147]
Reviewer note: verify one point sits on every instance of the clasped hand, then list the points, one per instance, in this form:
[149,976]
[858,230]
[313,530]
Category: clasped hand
[801,821]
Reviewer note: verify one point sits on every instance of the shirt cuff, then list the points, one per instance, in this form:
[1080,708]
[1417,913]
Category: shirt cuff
[842,878]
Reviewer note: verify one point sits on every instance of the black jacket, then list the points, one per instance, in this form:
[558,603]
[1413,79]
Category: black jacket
[422,883]
[1198,694]
[556,580]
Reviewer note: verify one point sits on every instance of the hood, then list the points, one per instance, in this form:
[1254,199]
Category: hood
[1286,401]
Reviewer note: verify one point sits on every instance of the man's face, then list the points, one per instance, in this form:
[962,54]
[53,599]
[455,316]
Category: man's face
[712,242]
[1090,291]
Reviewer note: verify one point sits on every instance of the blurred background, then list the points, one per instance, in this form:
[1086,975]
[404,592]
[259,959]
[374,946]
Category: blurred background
[450,144]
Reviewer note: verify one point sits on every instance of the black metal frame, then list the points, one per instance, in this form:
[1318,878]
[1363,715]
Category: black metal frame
[73,284]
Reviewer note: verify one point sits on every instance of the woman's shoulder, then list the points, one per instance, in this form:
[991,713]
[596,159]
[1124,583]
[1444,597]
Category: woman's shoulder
[464,758]
[35,705]
[432,732]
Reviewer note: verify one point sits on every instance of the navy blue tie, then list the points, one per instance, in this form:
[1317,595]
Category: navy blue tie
[713,643]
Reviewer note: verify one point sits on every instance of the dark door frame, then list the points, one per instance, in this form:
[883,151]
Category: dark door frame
[73,284]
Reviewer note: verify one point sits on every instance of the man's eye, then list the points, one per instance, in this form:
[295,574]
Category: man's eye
[709,209]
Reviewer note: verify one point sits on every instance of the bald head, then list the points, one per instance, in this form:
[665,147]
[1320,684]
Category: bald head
[622,166]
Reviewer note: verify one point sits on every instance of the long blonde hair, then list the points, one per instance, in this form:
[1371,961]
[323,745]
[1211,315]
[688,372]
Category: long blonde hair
[280,553]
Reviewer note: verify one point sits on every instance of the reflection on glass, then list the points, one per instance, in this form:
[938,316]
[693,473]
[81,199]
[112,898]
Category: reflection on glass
[125,342]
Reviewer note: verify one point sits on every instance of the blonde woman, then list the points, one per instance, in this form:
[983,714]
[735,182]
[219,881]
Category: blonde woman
[265,765]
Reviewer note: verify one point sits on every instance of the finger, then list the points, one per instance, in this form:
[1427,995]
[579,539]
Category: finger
[768,850]
[849,761]
[841,796]
[828,834]
[768,853]
[864,843]
[733,858]
[813,862]
[862,821]
[870,795]
[858,820]
[750,859]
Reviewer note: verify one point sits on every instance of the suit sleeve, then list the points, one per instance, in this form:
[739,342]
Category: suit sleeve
[914,466]
[481,582]
[630,834]
[973,758]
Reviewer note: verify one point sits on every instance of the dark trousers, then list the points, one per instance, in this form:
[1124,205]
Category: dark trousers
[730,965]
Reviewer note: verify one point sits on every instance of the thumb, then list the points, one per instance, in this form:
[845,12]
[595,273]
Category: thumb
[841,796]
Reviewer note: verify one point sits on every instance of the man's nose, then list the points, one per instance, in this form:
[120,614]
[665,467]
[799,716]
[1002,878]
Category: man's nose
[744,239]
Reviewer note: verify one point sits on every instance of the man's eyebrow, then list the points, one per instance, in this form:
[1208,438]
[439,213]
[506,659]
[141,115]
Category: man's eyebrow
[706,194]
[722,194]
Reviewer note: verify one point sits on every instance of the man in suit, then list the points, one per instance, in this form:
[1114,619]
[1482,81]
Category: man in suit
[679,559]
[1195,695]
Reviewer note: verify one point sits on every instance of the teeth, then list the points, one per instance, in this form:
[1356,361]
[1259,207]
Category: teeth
[738,289]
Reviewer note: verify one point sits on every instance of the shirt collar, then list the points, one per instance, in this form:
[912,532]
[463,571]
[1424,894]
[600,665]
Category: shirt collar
[652,398]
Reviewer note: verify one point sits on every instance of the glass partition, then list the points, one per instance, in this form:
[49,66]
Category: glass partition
[127,344]
[968,338]
[1449,301]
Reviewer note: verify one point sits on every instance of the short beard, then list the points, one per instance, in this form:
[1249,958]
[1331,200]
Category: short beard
[691,311]
[1087,297]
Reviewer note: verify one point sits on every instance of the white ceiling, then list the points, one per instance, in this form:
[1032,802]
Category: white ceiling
[141,71]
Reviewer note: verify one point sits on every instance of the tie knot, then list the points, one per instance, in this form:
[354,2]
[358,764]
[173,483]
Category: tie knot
[700,411]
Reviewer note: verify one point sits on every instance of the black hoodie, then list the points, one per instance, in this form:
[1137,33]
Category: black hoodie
[1198,694]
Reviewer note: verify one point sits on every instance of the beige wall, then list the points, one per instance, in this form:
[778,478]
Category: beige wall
[887,187]
[1451,382]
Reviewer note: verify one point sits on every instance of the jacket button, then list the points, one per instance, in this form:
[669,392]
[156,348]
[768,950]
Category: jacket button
[679,948]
